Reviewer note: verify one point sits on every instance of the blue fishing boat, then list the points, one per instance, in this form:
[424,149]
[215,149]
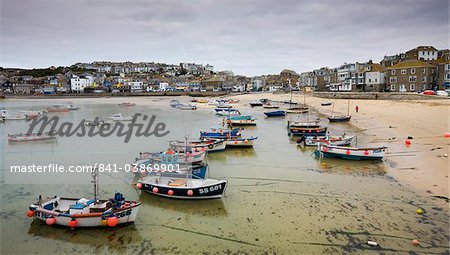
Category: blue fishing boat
[275,114]
[241,120]
[220,133]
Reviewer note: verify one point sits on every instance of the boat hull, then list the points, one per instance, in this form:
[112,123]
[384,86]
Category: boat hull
[350,153]
[307,131]
[340,119]
[275,114]
[212,191]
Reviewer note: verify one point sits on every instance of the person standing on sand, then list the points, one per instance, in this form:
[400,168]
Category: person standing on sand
[357,108]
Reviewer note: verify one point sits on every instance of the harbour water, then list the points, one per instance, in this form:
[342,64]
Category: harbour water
[279,199]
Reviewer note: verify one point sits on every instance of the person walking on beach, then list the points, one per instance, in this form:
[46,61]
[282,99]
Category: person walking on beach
[357,108]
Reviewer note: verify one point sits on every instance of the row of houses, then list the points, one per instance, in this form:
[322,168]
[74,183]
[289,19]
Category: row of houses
[418,69]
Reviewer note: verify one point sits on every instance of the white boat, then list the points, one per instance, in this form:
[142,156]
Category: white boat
[195,157]
[82,212]
[227,112]
[174,103]
[72,107]
[350,153]
[120,117]
[342,140]
[30,137]
[241,142]
[7,115]
[188,107]
[127,104]
[199,145]
[241,120]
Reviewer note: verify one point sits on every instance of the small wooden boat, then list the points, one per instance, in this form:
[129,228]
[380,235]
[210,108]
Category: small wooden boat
[270,106]
[264,100]
[149,167]
[275,114]
[351,153]
[72,107]
[174,103]
[241,120]
[127,104]
[194,100]
[187,107]
[297,110]
[308,128]
[290,102]
[241,142]
[82,212]
[97,122]
[227,112]
[199,145]
[30,137]
[326,104]
[57,109]
[195,157]
[256,103]
[343,118]
[223,105]
[226,109]
[7,115]
[233,101]
[120,117]
[220,133]
[202,101]
[327,139]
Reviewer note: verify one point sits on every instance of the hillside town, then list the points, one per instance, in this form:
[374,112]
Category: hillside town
[415,70]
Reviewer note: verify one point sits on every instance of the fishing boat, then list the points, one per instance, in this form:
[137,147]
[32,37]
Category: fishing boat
[97,122]
[270,106]
[241,120]
[351,153]
[308,128]
[256,103]
[223,105]
[241,142]
[187,107]
[195,157]
[194,100]
[297,110]
[327,139]
[82,212]
[199,145]
[127,104]
[220,133]
[275,114]
[7,115]
[340,118]
[264,100]
[174,103]
[120,117]
[227,112]
[202,101]
[72,107]
[233,101]
[57,109]
[30,137]
[148,167]
[32,114]
[326,104]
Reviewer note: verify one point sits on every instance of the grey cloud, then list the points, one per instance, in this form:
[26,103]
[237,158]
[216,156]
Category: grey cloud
[249,37]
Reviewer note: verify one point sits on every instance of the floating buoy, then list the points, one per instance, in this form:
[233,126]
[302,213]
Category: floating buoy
[372,243]
[73,223]
[155,190]
[325,149]
[419,211]
[170,192]
[190,192]
[447,134]
[235,142]
[415,242]
[366,152]
[348,152]
[246,141]
[139,185]
[30,214]
[50,221]
[112,221]
[407,142]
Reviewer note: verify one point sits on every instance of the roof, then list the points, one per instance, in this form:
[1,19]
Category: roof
[410,63]
[289,71]
[376,68]
[422,48]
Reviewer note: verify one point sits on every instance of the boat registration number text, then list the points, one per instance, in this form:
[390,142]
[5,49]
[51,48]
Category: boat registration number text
[210,189]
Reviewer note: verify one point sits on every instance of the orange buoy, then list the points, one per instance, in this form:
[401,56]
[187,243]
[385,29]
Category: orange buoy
[112,221]
[30,214]
[235,142]
[447,134]
[170,192]
[245,141]
[415,242]
[50,221]
[190,192]
[139,185]
[73,223]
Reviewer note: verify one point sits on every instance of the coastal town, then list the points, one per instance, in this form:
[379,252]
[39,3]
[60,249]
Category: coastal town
[414,71]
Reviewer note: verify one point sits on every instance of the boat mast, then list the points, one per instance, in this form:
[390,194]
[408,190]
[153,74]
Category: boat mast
[348,107]
[95,182]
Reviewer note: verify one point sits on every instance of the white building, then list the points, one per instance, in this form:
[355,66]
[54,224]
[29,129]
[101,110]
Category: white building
[136,86]
[163,86]
[375,78]
[78,83]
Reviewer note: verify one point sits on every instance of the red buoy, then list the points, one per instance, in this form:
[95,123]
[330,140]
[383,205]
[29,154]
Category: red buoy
[170,192]
[155,190]
[73,223]
[348,152]
[50,221]
[190,192]
[30,214]
[139,185]
[325,149]
[366,152]
[112,221]
[447,134]
[407,142]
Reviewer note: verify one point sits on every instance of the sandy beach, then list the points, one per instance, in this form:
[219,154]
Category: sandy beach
[424,165]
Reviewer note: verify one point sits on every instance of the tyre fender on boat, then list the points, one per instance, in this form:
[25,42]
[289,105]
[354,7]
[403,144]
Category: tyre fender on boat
[211,146]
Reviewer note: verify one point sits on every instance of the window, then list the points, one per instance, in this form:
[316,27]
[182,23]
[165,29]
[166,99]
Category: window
[392,87]
[424,79]
[370,80]
[393,79]
[447,76]
[412,87]
[375,80]
[412,78]
[424,70]
[413,70]
[393,72]
[403,71]
[447,67]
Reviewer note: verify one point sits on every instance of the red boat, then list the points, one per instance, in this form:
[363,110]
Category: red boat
[429,92]
[58,109]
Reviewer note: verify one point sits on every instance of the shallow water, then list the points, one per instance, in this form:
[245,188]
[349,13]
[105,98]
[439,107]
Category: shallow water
[279,199]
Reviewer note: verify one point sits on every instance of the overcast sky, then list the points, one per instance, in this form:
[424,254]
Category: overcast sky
[249,37]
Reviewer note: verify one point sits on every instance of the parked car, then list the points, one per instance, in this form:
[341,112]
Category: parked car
[429,92]
[442,93]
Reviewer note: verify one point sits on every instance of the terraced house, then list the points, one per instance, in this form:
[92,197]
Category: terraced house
[410,76]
